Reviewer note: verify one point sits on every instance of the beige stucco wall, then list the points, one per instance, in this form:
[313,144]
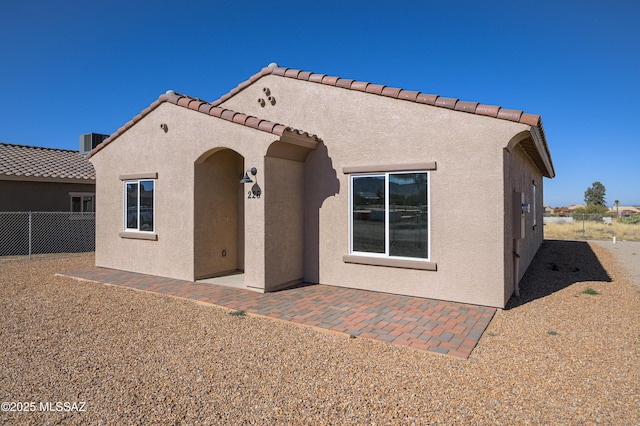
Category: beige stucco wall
[520,175]
[146,148]
[284,222]
[467,205]
[217,214]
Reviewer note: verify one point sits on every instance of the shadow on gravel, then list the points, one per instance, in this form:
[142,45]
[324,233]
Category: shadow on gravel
[557,265]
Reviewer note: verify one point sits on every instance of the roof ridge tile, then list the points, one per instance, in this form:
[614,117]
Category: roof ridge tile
[391,92]
[375,88]
[344,83]
[359,85]
[449,103]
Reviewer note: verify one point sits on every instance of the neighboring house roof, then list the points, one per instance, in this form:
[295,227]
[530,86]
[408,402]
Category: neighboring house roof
[493,111]
[22,162]
[201,106]
[575,207]
[625,208]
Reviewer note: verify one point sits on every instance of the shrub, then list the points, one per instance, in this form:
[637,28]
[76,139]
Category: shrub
[630,220]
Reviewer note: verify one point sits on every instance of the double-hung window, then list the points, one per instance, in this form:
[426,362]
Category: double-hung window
[139,205]
[390,214]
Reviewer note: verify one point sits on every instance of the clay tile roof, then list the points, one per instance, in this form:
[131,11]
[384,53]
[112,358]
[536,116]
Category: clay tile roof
[227,114]
[390,92]
[211,109]
[44,164]
[344,83]
[359,85]
[330,80]
[292,73]
[530,119]
[488,110]
[375,88]
[316,78]
[423,98]
[446,102]
[408,95]
[304,75]
[509,114]
[466,106]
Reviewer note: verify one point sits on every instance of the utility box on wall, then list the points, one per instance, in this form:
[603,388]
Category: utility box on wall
[518,211]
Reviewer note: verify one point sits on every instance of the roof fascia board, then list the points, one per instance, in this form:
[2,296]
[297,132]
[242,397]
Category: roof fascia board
[46,179]
[540,146]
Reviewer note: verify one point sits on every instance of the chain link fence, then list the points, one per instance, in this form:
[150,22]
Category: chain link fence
[592,227]
[27,233]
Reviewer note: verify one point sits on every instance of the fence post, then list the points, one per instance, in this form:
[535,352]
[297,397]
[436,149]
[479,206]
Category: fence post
[29,235]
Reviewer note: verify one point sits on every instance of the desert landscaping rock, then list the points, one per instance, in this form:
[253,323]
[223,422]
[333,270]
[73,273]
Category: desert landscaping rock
[555,356]
[628,254]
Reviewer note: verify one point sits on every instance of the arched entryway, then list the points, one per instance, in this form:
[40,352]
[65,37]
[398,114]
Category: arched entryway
[218,214]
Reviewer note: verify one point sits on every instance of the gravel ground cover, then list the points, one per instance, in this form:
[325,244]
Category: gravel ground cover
[628,254]
[557,355]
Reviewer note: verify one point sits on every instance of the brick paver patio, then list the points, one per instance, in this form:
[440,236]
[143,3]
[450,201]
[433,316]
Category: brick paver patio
[443,327]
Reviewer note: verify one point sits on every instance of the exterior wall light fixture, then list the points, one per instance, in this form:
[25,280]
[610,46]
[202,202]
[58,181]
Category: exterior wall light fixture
[246,178]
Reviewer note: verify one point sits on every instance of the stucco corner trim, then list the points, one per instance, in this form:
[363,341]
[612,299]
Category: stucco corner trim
[139,236]
[429,165]
[137,176]
[393,263]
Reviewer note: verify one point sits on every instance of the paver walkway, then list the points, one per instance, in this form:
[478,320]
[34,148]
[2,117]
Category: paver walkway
[444,327]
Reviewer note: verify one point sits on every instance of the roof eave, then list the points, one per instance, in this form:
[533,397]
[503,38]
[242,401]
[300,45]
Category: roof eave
[539,139]
[286,133]
[46,179]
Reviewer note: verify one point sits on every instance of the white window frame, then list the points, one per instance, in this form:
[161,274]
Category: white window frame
[533,205]
[386,255]
[125,210]
[82,196]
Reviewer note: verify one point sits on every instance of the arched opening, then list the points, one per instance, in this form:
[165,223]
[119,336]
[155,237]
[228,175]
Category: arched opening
[218,214]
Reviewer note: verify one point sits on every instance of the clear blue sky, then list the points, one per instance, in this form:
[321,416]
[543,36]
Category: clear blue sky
[73,67]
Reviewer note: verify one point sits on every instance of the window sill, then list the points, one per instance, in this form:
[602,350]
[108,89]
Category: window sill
[139,236]
[393,263]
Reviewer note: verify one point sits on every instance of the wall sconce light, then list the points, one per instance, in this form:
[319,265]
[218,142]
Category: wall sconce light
[164,127]
[246,178]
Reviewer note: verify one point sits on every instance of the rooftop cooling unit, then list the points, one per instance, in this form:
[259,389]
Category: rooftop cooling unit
[88,141]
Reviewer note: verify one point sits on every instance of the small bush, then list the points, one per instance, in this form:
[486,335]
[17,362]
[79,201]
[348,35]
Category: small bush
[630,220]
[590,291]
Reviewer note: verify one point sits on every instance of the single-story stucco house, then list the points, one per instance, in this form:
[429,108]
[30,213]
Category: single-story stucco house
[301,177]
[42,179]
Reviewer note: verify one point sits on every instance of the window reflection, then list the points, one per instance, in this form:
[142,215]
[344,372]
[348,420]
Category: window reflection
[408,225]
[390,214]
[146,205]
[132,205]
[369,214]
